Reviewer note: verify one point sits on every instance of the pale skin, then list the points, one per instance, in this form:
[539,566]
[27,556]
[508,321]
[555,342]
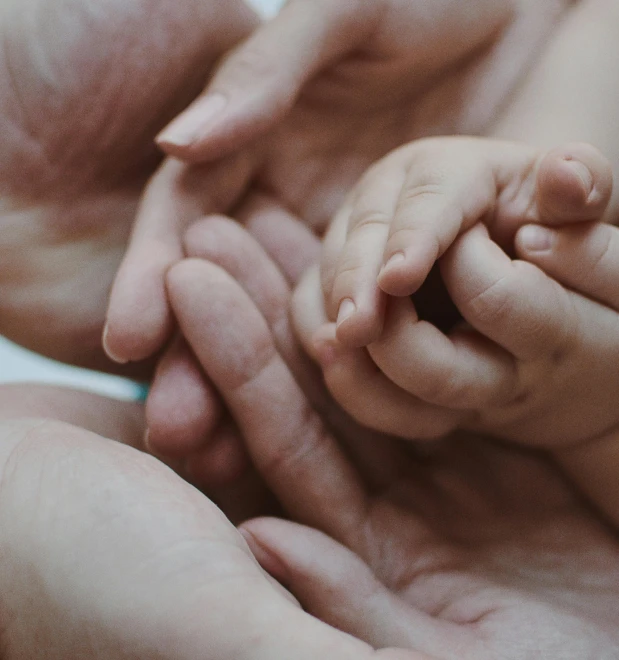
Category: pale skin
[80,466]
[85,87]
[163,574]
[409,208]
[311,100]
[408,554]
[574,392]
[589,31]
[535,362]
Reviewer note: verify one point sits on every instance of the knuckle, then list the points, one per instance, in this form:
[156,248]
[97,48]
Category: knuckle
[369,221]
[249,367]
[493,304]
[293,456]
[250,62]
[422,193]
[604,251]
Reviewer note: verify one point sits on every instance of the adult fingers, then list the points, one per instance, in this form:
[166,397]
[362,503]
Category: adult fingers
[182,408]
[222,461]
[513,303]
[286,238]
[583,258]
[225,243]
[288,443]
[138,318]
[261,79]
[335,585]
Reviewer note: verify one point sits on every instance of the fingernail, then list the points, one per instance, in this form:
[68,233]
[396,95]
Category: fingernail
[107,349]
[394,260]
[346,310]
[194,122]
[583,173]
[535,238]
[271,563]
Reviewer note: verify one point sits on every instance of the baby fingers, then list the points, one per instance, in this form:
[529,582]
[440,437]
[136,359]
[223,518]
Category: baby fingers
[584,258]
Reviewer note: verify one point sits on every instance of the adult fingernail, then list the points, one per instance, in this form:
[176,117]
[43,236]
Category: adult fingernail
[534,238]
[346,310]
[108,351]
[194,123]
[583,173]
[271,563]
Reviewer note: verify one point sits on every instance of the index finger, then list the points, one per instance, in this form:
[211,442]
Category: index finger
[287,440]
[260,80]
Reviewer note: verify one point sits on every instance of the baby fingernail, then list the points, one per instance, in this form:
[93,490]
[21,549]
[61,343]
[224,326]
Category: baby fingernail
[346,310]
[194,122]
[394,260]
[535,238]
[583,173]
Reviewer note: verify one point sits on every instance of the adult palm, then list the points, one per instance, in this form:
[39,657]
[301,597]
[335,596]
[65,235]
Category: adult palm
[319,94]
[464,549]
[86,85]
[475,551]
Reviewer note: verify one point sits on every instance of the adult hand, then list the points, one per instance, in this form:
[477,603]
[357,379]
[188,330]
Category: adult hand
[107,554]
[476,552]
[85,87]
[184,412]
[468,550]
[316,96]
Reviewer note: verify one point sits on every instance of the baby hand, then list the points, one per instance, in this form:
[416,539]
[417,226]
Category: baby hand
[410,207]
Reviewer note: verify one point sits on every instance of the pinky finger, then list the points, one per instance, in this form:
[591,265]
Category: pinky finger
[183,407]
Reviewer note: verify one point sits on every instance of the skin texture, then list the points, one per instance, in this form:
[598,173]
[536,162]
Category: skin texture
[379,86]
[85,88]
[447,555]
[588,255]
[413,204]
[113,556]
[472,550]
[305,116]
[480,543]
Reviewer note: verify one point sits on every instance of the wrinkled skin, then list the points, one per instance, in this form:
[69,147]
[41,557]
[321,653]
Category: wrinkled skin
[493,545]
[85,88]
[466,549]
[476,551]
[313,99]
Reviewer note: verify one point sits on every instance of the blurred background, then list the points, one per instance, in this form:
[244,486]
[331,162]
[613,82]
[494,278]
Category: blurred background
[19,365]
